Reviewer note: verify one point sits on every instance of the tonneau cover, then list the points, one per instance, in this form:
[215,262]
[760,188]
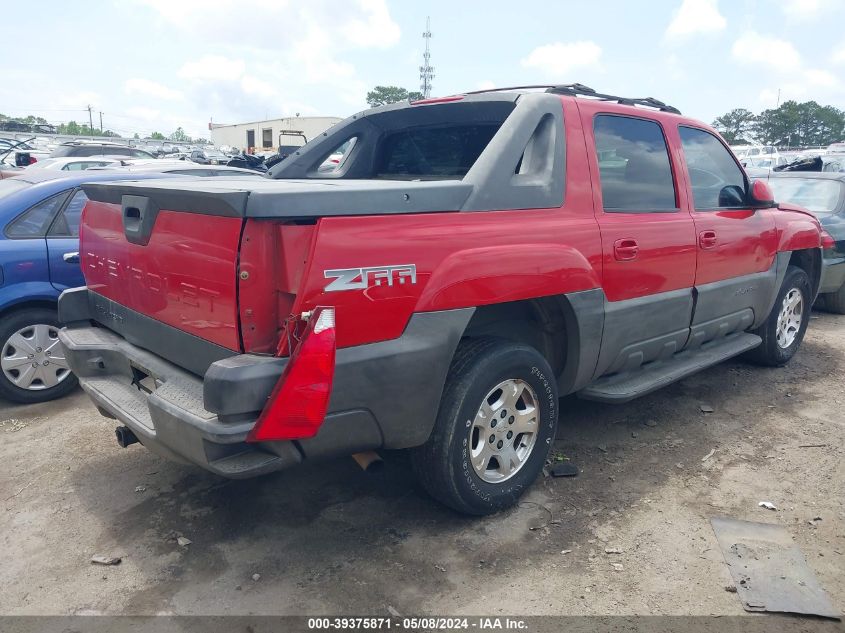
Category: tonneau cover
[256,198]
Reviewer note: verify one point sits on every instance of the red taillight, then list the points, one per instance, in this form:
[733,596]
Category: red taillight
[298,402]
[32,160]
[827,240]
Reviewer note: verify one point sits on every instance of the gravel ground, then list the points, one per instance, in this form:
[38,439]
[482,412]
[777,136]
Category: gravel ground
[329,538]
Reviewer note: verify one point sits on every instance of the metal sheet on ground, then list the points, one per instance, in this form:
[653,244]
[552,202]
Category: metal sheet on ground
[769,570]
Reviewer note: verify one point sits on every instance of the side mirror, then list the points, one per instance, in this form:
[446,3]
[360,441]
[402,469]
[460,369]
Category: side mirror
[761,195]
[732,196]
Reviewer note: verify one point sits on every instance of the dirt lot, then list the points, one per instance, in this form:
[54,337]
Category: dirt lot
[330,538]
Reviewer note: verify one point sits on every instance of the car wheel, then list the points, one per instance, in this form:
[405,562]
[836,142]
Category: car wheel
[32,360]
[834,301]
[496,423]
[785,326]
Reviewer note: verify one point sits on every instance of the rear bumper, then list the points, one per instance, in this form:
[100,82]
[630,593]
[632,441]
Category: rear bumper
[171,420]
[384,394]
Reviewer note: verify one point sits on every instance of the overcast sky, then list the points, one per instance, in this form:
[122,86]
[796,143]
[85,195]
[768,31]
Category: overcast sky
[153,65]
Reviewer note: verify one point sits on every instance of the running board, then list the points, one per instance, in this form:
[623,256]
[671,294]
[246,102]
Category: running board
[626,386]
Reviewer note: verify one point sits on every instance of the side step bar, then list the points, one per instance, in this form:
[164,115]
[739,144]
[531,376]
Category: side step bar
[626,386]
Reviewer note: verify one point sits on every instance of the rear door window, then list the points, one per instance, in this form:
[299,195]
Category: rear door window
[634,167]
[67,222]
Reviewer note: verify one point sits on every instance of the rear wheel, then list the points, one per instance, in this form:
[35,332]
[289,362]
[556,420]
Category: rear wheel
[32,360]
[784,329]
[495,426]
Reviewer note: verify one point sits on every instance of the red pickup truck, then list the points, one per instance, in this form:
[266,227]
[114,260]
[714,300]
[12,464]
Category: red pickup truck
[468,260]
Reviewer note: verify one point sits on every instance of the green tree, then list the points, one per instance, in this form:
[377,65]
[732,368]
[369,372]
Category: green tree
[179,135]
[381,95]
[71,127]
[135,136]
[200,141]
[800,124]
[157,136]
[735,125]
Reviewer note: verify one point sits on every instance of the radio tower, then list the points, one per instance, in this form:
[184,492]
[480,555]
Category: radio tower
[426,70]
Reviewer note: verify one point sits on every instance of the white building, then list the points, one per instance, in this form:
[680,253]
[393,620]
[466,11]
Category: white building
[268,135]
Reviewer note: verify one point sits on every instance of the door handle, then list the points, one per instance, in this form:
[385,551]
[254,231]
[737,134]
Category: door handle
[707,239]
[626,249]
[71,258]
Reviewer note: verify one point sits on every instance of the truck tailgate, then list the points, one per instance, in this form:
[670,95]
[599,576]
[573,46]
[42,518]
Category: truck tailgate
[183,273]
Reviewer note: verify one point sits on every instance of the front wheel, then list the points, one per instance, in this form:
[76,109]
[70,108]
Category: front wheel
[32,360]
[785,326]
[496,423]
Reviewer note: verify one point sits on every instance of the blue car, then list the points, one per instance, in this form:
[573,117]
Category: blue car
[39,257]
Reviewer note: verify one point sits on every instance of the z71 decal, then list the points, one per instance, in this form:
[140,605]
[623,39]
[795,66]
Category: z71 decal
[362,278]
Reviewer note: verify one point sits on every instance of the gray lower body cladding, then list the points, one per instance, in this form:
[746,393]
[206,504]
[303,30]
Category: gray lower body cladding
[384,395]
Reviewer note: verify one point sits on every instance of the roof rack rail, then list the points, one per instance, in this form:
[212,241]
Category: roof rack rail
[509,88]
[580,90]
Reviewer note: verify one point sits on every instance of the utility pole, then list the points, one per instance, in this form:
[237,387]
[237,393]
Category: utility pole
[91,120]
[426,70]
[778,104]
[101,123]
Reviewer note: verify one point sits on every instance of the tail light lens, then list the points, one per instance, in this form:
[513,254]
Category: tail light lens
[32,160]
[827,240]
[298,403]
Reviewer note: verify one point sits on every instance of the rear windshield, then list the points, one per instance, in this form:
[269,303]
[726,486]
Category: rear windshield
[446,151]
[814,194]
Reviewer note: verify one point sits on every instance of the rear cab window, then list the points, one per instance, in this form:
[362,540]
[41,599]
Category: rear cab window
[426,142]
[452,143]
[446,151]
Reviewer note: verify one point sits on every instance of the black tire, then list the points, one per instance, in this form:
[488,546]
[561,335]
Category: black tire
[834,301]
[9,325]
[443,464]
[771,353]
